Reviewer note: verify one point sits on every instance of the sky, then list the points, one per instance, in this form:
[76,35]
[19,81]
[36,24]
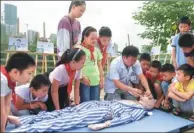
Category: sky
[115,14]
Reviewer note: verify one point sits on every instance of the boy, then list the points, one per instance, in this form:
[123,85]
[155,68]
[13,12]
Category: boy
[19,68]
[168,73]
[30,98]
[145,60]
[178,57]
[154,79]
[186,42]
[125,70]
[182,92]
[103,43]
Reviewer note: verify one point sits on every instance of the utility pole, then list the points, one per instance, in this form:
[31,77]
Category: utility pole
[18,26]
[128,40]
[44,30]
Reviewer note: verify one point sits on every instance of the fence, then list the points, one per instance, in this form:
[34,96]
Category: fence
[46,62]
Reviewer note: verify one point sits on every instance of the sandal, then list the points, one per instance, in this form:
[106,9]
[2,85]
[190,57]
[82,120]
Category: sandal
[192,118]
[176,111]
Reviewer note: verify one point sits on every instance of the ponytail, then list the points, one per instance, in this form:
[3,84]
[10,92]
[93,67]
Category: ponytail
[70,55]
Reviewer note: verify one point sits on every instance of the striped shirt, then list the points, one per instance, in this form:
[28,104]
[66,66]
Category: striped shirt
[82,115]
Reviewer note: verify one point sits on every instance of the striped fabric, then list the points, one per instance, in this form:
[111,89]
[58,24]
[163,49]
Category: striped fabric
[82,115]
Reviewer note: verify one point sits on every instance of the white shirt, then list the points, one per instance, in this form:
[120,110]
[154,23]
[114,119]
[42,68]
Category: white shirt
[24,92]
[60,74]
[5,90]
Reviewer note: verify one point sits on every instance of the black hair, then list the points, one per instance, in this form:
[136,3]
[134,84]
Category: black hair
[40,80]
[19,40]
[145,56]
[168,68]
[86,32]
[185,20]
[19,61]
[76,3]
[187,69]
[70,55]
[186,40]
[105,31]
[156,64]
[130,51]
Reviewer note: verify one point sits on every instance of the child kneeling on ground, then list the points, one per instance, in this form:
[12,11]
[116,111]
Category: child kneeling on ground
[182,92]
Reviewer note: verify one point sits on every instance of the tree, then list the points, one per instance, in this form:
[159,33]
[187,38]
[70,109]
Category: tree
[160,19]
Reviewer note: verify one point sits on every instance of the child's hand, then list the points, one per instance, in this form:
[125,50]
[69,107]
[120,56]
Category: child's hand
[157,105]
[34,105]
[86,81]
[43,106]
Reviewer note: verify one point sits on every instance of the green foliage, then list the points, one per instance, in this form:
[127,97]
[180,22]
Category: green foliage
[160,19]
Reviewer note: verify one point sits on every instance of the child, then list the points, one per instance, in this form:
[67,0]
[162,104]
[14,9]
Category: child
[103,43]
[178,57]
[67,70]
[145,60]
[69,27]
[154,79]
[93,77]
[30,98]
[168,73]
[182,92]
[19,68]
[186,42]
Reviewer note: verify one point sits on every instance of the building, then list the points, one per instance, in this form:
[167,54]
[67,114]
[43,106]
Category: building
[53,38]
[32,36]
[10,14]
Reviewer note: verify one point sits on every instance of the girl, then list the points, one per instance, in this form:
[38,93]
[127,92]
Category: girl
[19,68]
[31,97]
[69,28]
[92,70]
[68,69]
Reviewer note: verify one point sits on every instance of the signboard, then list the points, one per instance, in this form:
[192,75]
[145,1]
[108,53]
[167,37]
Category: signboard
[45,47]
[155,50]
[18,44]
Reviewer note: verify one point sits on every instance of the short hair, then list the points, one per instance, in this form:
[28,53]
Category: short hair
[39,80]
[186,40]
[145,56]
[184,20]
[187,69]
[130,51]
[105,31]
[168,68]
[156,64]
[20,61]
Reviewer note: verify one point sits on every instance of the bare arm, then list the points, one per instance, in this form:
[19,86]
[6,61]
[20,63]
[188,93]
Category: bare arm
[55,94]
[184,95]
[190,61]
[122,86]
[175,97]
[174,57]
[101,73]
[144,82]
[76,92]
[3,114]
[20,105]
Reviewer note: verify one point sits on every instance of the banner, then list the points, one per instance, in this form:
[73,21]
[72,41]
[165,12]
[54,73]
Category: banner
[18,44]
[45,47]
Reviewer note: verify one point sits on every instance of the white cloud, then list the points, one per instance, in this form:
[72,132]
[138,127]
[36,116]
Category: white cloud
[115,14]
